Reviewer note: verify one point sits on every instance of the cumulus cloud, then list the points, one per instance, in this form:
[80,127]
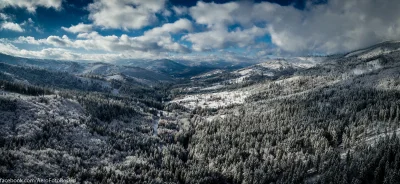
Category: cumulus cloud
[218,18]
[79,28]
[28,39]
[155,40]
[179,25]
[336,26]
[68,54]
[125,14]
[159,38]
[214,15]
[11,26]
[221,38]
[64,41]
[31,5]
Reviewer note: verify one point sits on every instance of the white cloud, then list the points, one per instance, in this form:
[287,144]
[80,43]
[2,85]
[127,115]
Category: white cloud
[159,38]
[214,15]
[179,25]
[79,28]
[77,55]
[218,18]
[156,40]
[31,5]
[28,22]
[29,26]
[64,41]
[28,39]
[220,39]
[4,16]
[180,10]
[68,54]
[11,26]
[125,14]
[337,26]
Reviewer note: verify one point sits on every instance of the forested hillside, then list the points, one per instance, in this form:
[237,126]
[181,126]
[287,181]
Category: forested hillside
[335,120]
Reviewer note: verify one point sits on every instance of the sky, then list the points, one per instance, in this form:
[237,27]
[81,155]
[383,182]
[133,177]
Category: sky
[114,30]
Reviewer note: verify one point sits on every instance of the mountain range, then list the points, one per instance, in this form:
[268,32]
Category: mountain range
[325,119]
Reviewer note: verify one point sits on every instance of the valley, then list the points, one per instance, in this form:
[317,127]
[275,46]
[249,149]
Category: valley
[290,120]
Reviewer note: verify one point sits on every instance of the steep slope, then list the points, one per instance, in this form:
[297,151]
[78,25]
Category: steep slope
[375,50]
[337,122]
[61,136]
[88,136]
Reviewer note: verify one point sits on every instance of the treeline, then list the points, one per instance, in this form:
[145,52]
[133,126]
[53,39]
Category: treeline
[24,88]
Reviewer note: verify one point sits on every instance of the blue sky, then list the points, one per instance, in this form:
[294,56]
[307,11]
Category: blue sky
[110,30]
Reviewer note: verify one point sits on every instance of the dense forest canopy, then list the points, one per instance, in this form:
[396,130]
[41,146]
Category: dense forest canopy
[333,122]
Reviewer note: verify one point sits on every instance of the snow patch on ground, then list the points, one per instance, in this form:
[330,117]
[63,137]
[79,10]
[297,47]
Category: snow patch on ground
[358,71]
[368,67]
[375,52]
[287,80]
[389,84]
[208,74]
[130,160]
[245,71]
[374,64]
[116,77]
[212,100]
[212,118]
[98,69]
[218,86]
[238,80]
[355,53]
[272,65]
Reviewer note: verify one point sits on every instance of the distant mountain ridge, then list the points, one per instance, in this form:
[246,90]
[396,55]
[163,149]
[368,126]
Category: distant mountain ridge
[181,68]
[161,69]
[96,68]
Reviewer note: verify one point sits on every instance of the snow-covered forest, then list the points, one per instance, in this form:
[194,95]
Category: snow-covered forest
[331,119]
